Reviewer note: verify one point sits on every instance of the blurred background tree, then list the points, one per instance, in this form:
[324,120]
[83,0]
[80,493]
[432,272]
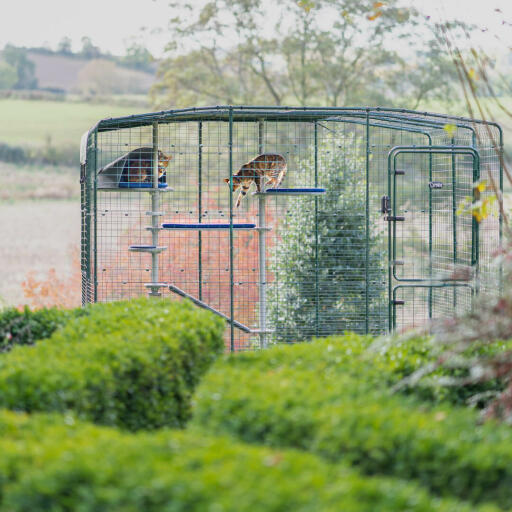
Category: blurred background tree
[328,52]
[25,68]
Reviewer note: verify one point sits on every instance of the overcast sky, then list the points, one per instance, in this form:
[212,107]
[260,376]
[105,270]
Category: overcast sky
[112,24]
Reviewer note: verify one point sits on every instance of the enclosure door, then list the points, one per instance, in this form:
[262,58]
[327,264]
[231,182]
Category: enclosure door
[433,248]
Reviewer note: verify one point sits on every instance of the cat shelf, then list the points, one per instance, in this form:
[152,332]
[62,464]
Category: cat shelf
[206,227]
[292,192]
[135,187]
[153,249]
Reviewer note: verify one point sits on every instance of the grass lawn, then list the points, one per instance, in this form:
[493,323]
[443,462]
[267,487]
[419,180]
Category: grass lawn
[30,123]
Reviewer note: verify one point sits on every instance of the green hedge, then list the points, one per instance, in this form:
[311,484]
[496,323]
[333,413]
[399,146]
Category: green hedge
[332,398]
[59,465]
[131,364]
[25,327]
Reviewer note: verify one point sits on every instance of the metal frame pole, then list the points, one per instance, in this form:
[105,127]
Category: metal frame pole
[231,258]
[155,204]
[262,250]
[95,210]
[367,228]
[200,207]
[317,286]
[454,220]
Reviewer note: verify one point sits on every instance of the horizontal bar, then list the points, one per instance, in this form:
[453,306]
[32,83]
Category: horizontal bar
[146,248]
[203,305]
[292,191]
[156,285]
[133,189]
[209,227]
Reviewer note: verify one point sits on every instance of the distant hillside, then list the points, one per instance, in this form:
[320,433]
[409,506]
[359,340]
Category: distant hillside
[74,74]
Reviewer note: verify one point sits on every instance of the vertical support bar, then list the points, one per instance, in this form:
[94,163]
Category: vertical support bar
[390,249]
[393,230]
[155,205]
[476,226]
[95,216]
[262,250]
[454,221]
[231,277]
[367,227]
[200,207]
[430,228]
[317,287]
[500,158]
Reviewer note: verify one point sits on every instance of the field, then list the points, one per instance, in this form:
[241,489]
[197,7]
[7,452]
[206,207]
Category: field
[30,123]
[40,224]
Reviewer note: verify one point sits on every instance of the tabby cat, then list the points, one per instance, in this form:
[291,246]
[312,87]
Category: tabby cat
[139,164]
[269,166]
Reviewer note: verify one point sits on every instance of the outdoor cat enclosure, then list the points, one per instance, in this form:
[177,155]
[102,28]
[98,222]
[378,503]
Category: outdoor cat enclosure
[363,234]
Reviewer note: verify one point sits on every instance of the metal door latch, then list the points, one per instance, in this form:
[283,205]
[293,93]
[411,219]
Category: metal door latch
[385,204]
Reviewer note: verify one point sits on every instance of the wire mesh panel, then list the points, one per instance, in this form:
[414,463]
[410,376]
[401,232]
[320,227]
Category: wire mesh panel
[290,223]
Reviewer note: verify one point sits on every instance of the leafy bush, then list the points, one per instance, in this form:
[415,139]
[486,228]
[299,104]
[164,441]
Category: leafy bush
[332,398]
[57,464]
[130,364]
[26,326]
[337,264]
[13,154]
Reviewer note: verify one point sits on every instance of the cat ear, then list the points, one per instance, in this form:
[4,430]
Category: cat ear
[226,180]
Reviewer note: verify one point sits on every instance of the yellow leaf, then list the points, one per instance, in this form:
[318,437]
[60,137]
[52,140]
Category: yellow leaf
[450,129]
[306,5]
[376,5]
[472,74]
[481,186]
[374,16]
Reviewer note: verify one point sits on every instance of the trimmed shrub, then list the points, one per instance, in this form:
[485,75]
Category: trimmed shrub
[25,327]
[60,465]
[131,364]
[332,398]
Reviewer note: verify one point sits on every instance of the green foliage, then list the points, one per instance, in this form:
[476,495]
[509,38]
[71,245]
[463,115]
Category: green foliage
[130,364]
[26,326]
[25,69]
[138,57]
[338,267]
[332,398]
[8,75]
[58,464]
[12,154]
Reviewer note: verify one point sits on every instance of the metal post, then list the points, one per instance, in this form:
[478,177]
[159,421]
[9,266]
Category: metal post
[200,208]
[155,204]
[231,259]
[317,287]
[454,221]
[367,227]
[262,249]
[263,269]
[95,210]
[476,226]
[430,229]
